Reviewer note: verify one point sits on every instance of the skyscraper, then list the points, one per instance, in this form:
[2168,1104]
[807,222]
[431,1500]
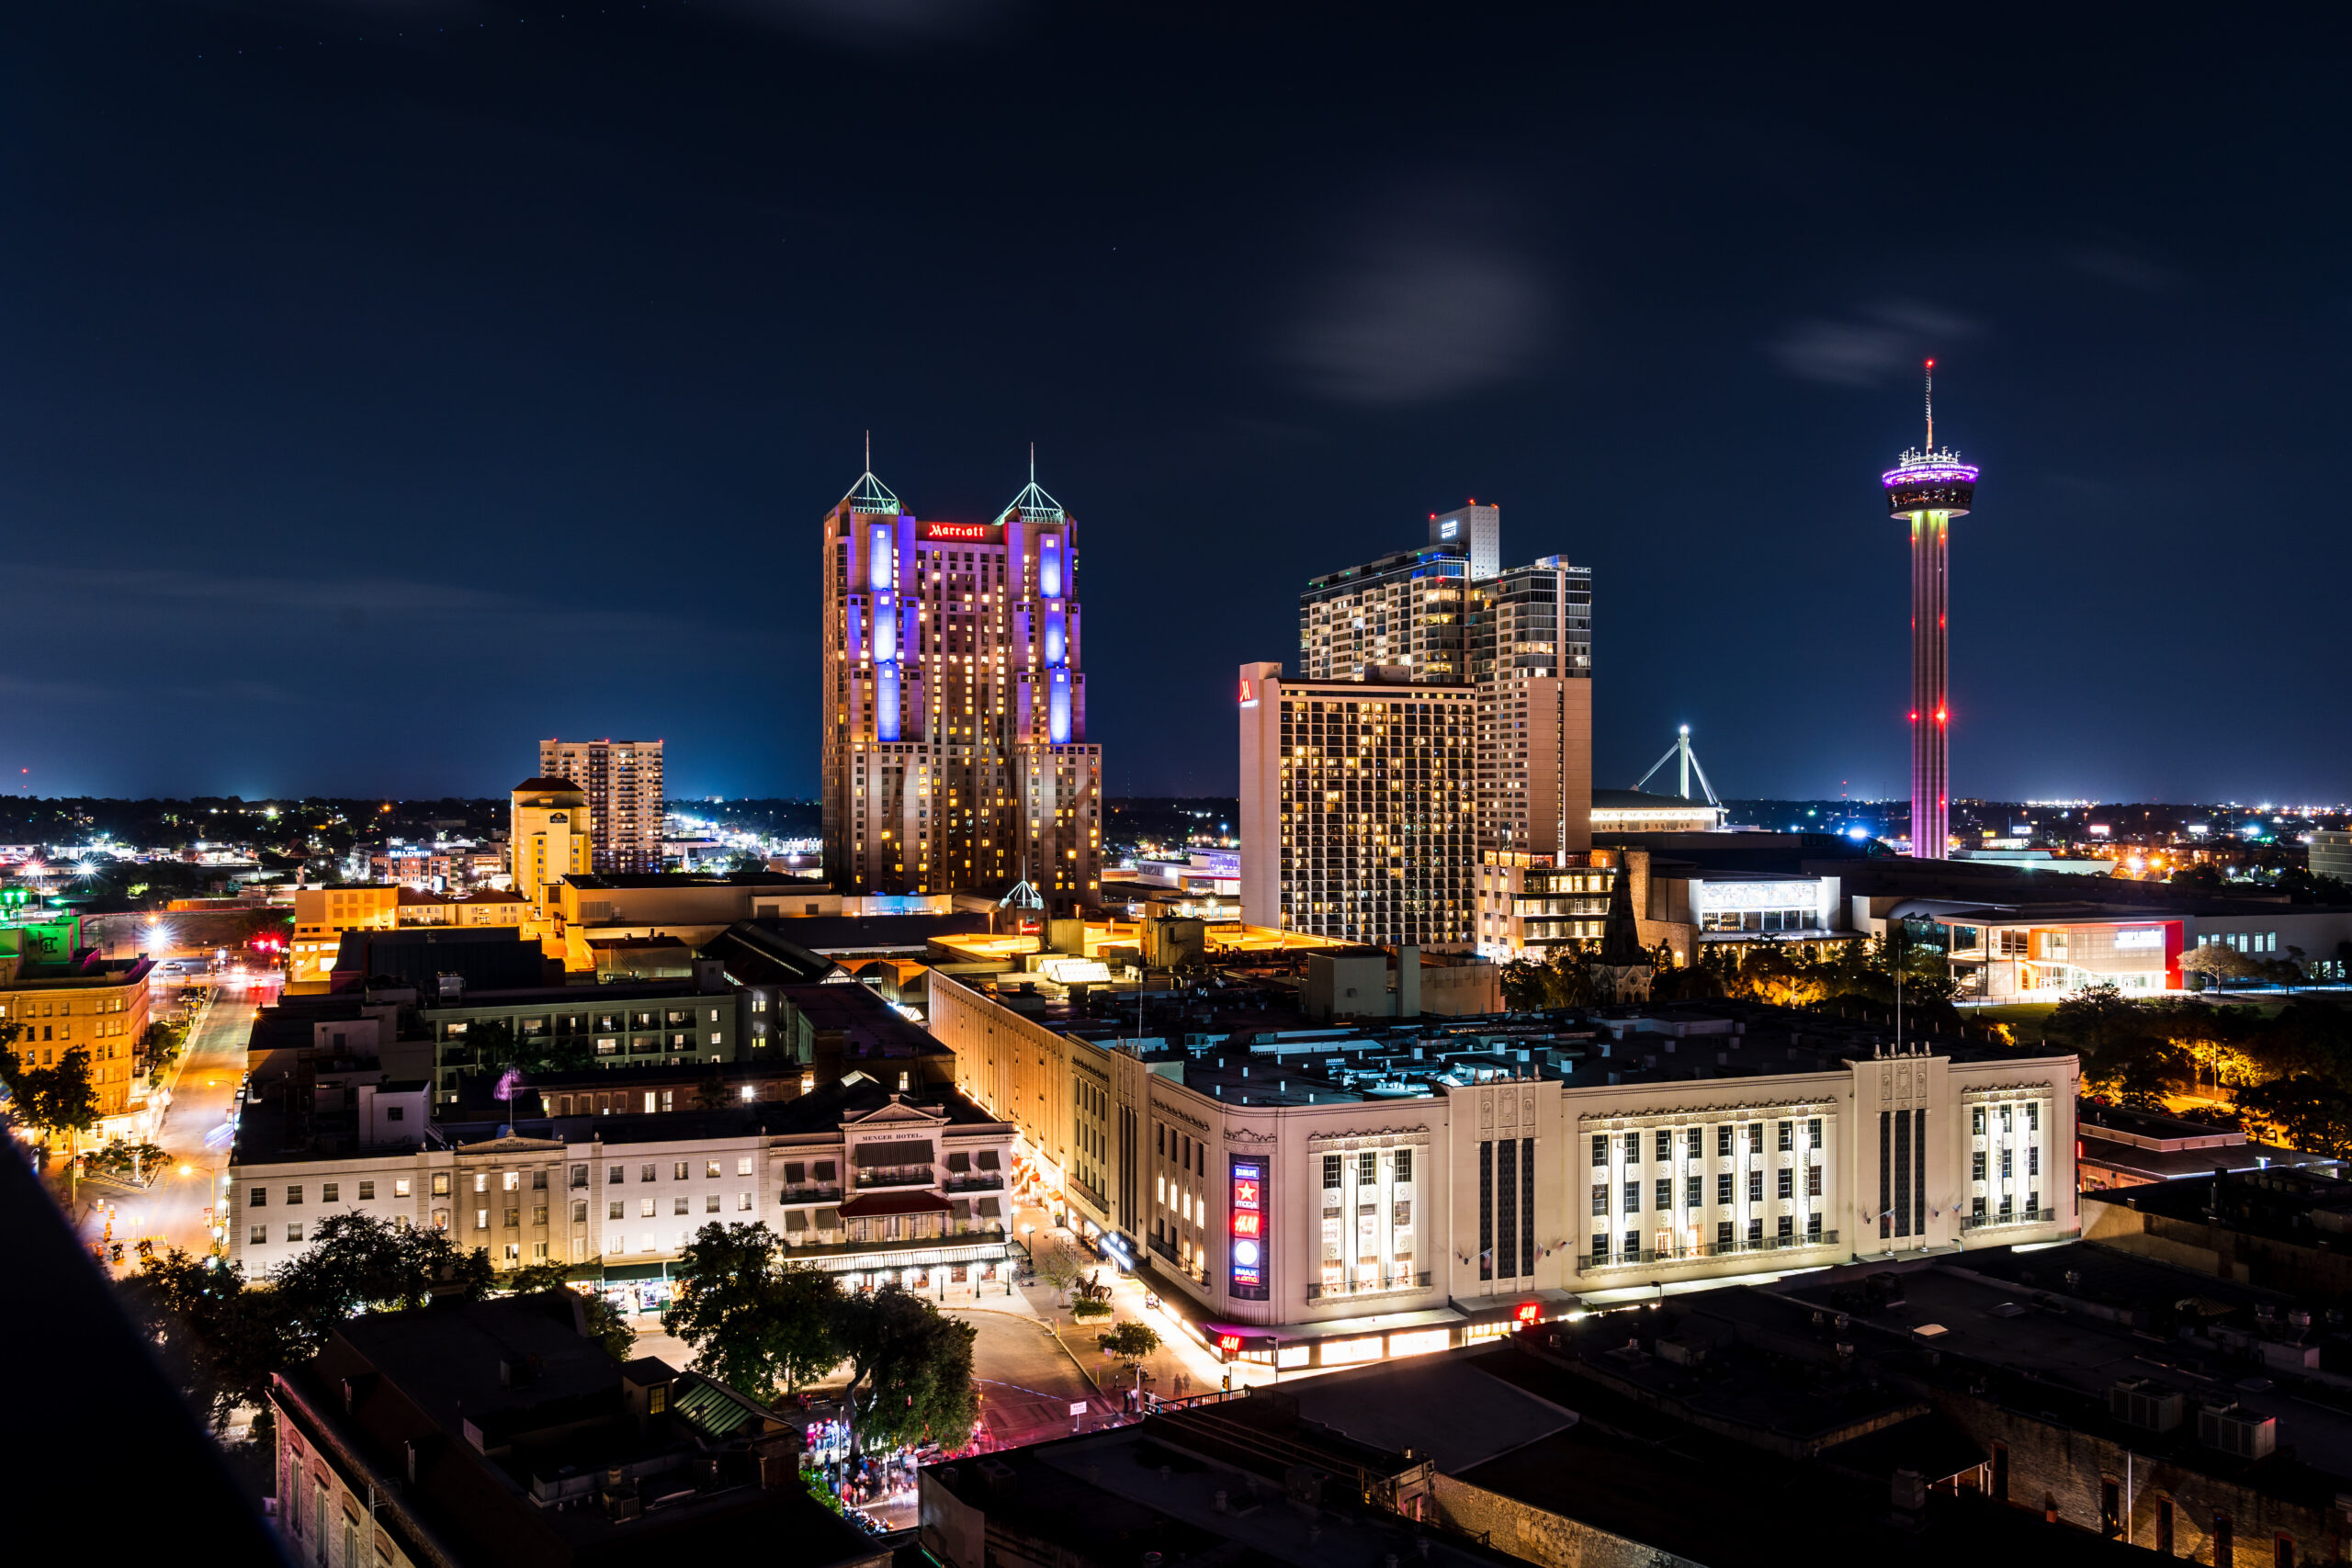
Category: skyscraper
[1441,717]
[954,751]
[1531,660]
[1927,489]
[1476,531]
[624,784]
[1404,611]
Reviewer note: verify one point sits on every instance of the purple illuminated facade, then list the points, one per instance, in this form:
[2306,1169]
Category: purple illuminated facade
[1928,489]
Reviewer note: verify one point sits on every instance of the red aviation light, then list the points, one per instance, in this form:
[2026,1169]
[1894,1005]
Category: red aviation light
[1941,715]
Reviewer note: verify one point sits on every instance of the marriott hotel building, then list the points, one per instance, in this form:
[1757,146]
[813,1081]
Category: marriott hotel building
[1320,1196]
[955,750]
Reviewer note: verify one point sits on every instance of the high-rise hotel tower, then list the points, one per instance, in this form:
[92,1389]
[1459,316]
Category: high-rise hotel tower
[1927,489]
[954,746]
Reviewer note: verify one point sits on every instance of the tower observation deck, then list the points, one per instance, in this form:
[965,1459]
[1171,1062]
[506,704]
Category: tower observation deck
[1929,488]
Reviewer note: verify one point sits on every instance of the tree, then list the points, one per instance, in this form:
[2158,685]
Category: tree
[754,1322]
[140,1162]
[1129,1342]
[358,1263]
[1060,1266]
[910,1371]
[49,1099]
[2217,961]
[601,1320]
[217,1337]
[2309,1114]
[2197,878]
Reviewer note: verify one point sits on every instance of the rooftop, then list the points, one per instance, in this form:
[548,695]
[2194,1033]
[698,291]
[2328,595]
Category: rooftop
[1249,1044]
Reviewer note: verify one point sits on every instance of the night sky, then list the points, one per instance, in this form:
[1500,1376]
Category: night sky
[387,384]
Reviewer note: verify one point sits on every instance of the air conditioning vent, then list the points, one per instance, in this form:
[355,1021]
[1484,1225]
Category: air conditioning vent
[2239,1433]
[2146,1404]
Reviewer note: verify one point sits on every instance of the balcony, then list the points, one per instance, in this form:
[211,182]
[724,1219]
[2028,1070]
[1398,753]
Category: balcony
[1351,1288]
[1703,1251]
[1995,1221]
[886,1178]
[976,1183]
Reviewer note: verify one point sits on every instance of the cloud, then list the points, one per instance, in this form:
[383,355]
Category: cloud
[2125,266]
[884,26]
[1870,346]
[1433,300]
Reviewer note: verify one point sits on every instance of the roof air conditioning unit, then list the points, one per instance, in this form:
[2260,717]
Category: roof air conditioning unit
[2239,1433]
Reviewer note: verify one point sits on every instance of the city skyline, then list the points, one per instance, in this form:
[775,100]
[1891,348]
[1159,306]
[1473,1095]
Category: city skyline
[371,390]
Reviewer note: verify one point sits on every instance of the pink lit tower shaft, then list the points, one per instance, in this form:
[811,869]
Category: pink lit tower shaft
[1928,489]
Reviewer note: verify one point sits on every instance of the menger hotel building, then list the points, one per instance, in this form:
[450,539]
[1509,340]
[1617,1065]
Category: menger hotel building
[1327,1195]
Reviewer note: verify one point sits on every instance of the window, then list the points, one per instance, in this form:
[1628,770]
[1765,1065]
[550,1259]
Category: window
[367,1192]
[1665,1193]
[2033,1160]
[1755,1187]
[613,1210]
[511,1218]
[579,1211]
[481,1182]
[1976,1165]
[1723,1189]
[742,1167]
[1599,1150]
[257,1199]
[1665,1143]
[1601,1197]
[1633,1145]
[1813,1133]
[440,1184]
[481,1219]
[742,1202]
[510,1180]
[1812,1227]
[1788,1227]
[1976,1121]
[1691,1192]
[294,1231]
[1813,1182]
[678,1206]
[1756,1137]
[710,1167]
[257,1236]
[1695,1143]
[400,1186]
[293,1196]
[1788,1135]
[1723,1139]
[1404,1165]
[330,1193]
[645,1173]
[579,1176]
[710,1203]
[1788,1182]
[1755,1231]
[1633,1198]
[1368,1166]
[645,1208]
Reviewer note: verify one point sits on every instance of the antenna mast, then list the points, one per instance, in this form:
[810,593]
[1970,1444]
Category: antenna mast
[1931,406]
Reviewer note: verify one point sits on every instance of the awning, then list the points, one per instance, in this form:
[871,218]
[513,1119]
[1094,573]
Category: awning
[912,1151]
[988,1159]
[795,1173]
[795,1222]
[962,1207]
[990,1209]
[829,1219]
[906,1258]
[866,1205]
[824,1171]
[958,1159]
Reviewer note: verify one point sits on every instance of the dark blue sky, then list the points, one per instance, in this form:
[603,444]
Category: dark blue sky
[386,384]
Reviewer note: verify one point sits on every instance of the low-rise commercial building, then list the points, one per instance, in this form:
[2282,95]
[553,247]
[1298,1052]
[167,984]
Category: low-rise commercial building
[498,1432]
[1287,1181]
[860,1179]
[86,1003]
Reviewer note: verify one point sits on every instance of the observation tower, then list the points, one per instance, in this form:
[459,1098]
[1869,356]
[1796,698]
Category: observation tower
[1929,488]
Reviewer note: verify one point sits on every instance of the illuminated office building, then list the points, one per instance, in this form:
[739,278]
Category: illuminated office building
[1402,612]
[1531,660]
[954,750]
[624,785]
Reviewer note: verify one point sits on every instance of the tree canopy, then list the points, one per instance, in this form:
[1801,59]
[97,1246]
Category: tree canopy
[910,1371]
[754,1320]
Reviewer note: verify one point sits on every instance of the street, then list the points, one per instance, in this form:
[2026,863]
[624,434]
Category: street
[196,1133]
